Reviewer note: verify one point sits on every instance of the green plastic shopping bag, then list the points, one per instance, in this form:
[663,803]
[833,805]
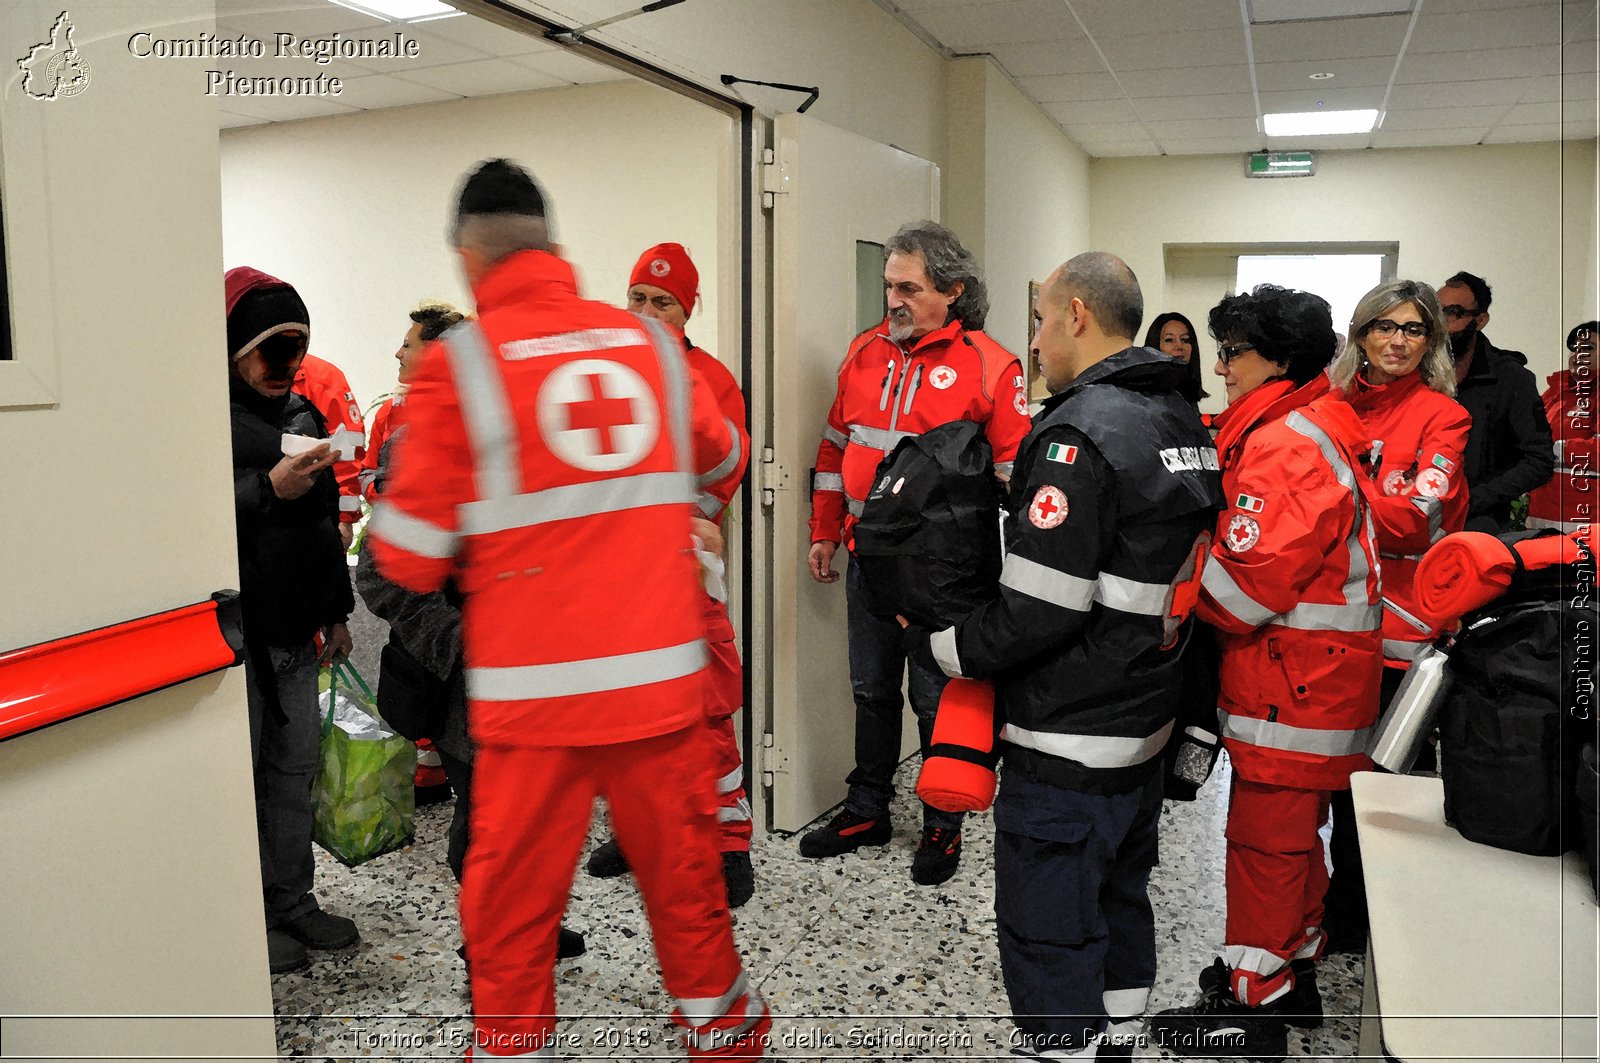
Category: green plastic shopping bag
[363,796]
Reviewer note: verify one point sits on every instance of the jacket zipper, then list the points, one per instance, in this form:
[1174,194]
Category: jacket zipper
[888,381]
[911,393]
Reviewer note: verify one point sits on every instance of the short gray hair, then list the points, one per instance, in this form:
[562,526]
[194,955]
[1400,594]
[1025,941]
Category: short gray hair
[1437,368]
[947,262]
[1107,288]
[497,236]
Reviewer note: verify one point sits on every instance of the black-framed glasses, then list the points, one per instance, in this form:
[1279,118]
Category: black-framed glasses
[1228,352]
[1456,313]
[1414,330]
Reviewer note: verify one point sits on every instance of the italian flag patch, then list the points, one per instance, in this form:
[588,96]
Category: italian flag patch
[1249,503]
[1442,462]
[1062,452]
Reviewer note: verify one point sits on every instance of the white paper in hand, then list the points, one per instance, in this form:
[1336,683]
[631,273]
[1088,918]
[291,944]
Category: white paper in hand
[344,442]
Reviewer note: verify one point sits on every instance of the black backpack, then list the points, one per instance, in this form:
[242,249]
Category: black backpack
[1520,707]
[928,541]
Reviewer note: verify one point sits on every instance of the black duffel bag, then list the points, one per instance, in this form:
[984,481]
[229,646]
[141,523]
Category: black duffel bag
[411,699]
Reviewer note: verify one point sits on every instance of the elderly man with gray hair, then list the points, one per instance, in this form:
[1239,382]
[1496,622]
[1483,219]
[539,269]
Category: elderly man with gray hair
[926,364]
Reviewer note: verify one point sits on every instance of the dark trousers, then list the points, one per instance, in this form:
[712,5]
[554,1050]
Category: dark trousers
[284,753]
[1071,872]
[878,663]
[459,773]
[1346,907]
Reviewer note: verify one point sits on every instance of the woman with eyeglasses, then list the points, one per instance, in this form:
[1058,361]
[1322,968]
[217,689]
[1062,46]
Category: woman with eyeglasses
[1173,335]
[1397,372]
[1568,501]
[1291,588]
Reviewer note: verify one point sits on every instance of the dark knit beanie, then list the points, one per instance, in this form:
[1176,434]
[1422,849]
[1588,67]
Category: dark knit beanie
[500,186]
[264,312]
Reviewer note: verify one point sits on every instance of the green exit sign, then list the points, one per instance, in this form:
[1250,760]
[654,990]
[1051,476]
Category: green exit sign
[1280,164]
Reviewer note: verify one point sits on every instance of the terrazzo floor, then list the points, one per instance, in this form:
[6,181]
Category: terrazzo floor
[854,960]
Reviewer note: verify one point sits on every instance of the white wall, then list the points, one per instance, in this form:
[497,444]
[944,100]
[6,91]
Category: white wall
[353,209]
[1498,211]
[129,872]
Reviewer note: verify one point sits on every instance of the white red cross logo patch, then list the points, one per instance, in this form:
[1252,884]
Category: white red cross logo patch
[942,377]
[1049,507]
[598,415]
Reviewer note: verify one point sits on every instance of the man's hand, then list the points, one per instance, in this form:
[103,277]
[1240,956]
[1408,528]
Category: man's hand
[293,476]
[335,643]
[709,534]
[820,561]
[347,534]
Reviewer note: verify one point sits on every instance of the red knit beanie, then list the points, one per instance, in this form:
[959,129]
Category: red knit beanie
[667,266]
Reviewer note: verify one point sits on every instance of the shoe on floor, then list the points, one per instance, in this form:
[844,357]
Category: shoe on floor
[739,877]
[317,929]
[607,861]
[1217,1026]
[1300,1007]
[845,833]
[284,953]
[938,855]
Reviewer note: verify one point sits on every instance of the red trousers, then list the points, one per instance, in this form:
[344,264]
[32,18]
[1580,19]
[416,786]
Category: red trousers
[1276,880]
[724,698]
[530,815]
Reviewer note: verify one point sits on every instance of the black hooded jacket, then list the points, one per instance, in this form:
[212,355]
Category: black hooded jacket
[1508,447]
[293,578]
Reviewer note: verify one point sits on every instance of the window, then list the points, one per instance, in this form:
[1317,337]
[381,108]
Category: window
[871,302]
[1340,279]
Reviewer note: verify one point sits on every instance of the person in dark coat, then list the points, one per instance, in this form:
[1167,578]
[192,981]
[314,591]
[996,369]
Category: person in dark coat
[1509,445]
[293,585]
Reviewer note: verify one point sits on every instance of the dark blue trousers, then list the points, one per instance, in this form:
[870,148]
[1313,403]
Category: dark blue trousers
[1074,916]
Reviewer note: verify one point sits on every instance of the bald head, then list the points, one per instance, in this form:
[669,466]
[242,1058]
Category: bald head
[1107,288]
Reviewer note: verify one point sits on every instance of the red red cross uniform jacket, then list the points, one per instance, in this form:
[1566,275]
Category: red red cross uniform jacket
[554,454]
[1293,588]
[887,392]
[386,420]
[1567,501]
[1418,438]
[325,386]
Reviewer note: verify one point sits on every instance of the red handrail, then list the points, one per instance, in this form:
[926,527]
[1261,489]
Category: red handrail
[54,681]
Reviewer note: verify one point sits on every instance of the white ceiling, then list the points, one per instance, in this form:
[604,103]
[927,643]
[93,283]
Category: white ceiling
[457,57]
[1121,77]
[1179,77]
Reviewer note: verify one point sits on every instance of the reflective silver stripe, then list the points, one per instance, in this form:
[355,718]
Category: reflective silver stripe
[1219,583]
[728,463]
[1309,617]
[676,381]
[1253,958]
[1121,1004]
[1559,525]
[1092,751]
[731,781]
[855,505]
[1004,467]
[1401,557]
[1401,650]
[413,534]
[1581,474]
[1131,596]
[1047,584]
[485,412]
[883,439]
[595,675]
[1433,509]
[943,644]
[736,813]
[589,339]
[708,1041]
[1269,734]
[1355,584]
[697,1011]
[828,481]
[710,506]
[577,500]
[834,436]
[1330,453]
[349,504]
[1407,617]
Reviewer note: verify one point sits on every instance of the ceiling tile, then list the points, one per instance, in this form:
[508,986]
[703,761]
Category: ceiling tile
[486,77]
[1533,114]
[977,28]
[1183,108]
[1470,93]
[303,20]
[1052,88]
[287,108]
[1348,73]
[1212,146]
[484,36]
[1091,112]
[1186,81]
[1424,138]
[1198,128]
[432,50]
[1579,58]
[1157,51]
[1032,58]
[1523,134]
[1113,18]
[228,120]
[565,66]
[1343,39]
[1454,7]
[1119,149]
[1443,118]
[1486,63]
[1340,142]
[1505,28]
[1109,131]
[1317,99]
[377,91]
[1578,87]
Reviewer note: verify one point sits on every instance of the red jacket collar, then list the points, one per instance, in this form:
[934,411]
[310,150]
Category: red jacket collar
[1365,395]
[523,276]
[1276,400]
[950,331]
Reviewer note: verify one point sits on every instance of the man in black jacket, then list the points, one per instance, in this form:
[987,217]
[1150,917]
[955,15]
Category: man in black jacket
[1112,500]
[293,584]
[1508,447]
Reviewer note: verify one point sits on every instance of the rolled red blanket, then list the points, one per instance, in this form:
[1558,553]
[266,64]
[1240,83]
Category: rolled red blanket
[958,770]
[1461,572]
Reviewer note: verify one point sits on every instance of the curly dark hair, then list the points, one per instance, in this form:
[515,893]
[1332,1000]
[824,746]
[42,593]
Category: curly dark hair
[435,319]
[1482,294]
[947,261]
[1291,328]
[1192,387]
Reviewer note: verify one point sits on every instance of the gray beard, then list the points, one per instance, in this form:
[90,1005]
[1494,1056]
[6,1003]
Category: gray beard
[899,328]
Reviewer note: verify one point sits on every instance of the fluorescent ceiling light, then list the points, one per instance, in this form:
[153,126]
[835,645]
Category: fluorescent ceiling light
[1318,123]
[400,10]
[1268,11]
